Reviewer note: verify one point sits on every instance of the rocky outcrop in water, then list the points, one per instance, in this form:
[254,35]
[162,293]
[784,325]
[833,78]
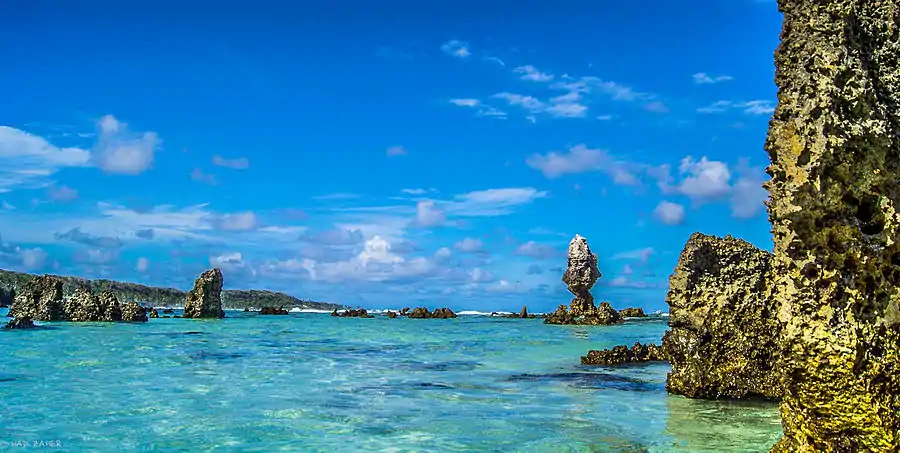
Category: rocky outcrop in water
[834,144]
[133,312]
[273,311]
[632,312]
[352,313]
[391,314]
[40,299]
[404,311]
[438,313]
[19,323]
[205,300]
[110,309]
[619,355]
[724,336]
[419,313]
[153,313]
[580,276]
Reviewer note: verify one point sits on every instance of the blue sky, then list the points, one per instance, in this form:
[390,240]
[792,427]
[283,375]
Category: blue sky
[383,153]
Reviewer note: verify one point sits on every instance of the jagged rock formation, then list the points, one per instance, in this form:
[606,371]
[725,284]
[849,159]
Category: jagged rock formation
[205,300]
[153,313]
[419,313]
[133,312]
[724,335]
[19,323]
[438,313]
[632,312]
[273,311]
[580,276]
[621,354]
[404,311]
[352,313]
[834,143]
[110,309]
[40,299]
[82,306]
[443,313]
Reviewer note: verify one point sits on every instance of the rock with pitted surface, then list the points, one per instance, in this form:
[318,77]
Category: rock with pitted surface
[132,312]
[40,299]
[205,300]
[442,313]
[19,323]
[632,312]
[619,355]
[153,313]
[580,276]
[420,313]
[82,306]
[724,332]
[834,144]
[273,311]
[110,309]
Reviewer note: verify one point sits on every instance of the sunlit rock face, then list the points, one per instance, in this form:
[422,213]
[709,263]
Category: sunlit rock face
[724,337]
[835,166]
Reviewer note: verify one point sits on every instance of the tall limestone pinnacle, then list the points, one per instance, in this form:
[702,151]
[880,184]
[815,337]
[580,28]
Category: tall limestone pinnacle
[834,142]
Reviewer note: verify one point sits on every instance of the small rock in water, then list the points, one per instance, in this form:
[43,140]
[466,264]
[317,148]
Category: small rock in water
[273,311]
[632,312]
[443,313]
[420,313]
[168,311]
[132,312]
[153,313]
[352,313]
[404,311]
[20,323]
[391,314]
[621,354]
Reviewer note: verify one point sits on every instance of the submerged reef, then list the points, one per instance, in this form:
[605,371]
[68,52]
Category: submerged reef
[724,334]
[834,144]
[619,355]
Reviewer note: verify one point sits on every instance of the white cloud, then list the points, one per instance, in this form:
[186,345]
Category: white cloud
[120,151]
[469,245]
[455,48]
[241,221]
[756,107]
[428,214]
[641,255]
[656,107]
[142,265]
[199,176]
[228,261]
[527,102]
[704,78]
[504,286]
[465,102]
[375,263]
[479,275]
[669,213]
[33,259]
[481,108]
[396,151]
[495,60]
[706,179]
[28,161]
[239,163]
[535,250]
[414,191]
[492,201]
[62,193]
[581,159]
[443,253]
[531,73]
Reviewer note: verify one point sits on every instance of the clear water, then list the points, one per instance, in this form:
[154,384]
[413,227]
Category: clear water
[313,383]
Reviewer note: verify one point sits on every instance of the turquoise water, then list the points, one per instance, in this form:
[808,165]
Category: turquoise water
[312,383]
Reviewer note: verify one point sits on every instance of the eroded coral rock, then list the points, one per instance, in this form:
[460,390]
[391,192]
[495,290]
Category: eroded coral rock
[724,337]
[205,300]
[580,276]
[133,312]
[153,313]
[834,143]
[40,299]
[622,354]
[632,312]
[110,309]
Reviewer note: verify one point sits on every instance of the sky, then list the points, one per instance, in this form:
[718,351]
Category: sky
[383,154]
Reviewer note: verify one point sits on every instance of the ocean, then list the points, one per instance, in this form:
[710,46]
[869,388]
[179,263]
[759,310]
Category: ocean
[308,382]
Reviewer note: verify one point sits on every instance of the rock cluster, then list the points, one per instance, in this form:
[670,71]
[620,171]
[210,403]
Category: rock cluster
[438,313]
[273,311]
[19,323]
[205,300]
[85,306]
[834,144]
[619,355]
[352,313]
[632,312]
[723,337]
[580,276]
[40,299]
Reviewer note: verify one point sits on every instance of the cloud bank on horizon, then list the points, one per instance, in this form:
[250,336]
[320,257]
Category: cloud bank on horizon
[383,158]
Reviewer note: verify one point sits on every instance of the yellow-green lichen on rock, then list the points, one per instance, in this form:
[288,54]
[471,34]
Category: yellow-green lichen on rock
[724,332]
[834,143]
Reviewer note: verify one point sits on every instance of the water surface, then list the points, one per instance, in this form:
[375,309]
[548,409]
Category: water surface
[312,383]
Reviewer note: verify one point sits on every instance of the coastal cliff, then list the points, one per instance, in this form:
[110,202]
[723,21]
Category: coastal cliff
[162,297]
[724,333]
[834,194]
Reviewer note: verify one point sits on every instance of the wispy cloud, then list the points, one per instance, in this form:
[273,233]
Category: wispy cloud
[581,159]
[455,48]
[531,73]
[62,193]
[702,78]
[206,178]
[119,150]
[239,163]
[29,161]
[757,107]
[396,151]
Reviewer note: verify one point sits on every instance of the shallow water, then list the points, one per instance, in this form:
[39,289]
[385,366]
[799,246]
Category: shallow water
[312,383]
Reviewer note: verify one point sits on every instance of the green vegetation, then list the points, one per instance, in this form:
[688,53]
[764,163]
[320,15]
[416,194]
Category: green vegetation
[169,297]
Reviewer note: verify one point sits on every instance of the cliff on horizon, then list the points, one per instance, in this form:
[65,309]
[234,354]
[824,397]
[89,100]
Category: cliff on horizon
[169,297]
